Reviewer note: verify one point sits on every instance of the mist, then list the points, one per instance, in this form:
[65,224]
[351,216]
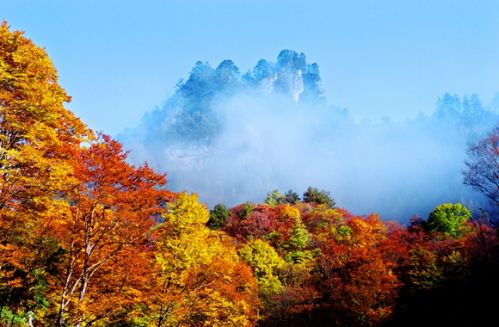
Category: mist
[234,137]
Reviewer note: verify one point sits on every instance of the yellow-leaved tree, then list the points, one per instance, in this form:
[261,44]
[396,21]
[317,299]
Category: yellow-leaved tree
[37,136]
[200,279]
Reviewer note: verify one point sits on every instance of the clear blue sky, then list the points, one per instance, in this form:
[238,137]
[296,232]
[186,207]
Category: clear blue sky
[119,59]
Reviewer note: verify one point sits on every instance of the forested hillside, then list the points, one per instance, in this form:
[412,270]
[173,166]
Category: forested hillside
[88,239]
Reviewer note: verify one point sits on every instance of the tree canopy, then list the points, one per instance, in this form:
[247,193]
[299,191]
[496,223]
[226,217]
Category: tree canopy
[88,239]
[449,219]
[314,195]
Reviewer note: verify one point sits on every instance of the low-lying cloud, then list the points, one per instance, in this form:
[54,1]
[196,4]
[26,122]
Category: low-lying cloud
[232,138]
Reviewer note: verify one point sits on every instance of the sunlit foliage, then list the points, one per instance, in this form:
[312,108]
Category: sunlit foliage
[87,239]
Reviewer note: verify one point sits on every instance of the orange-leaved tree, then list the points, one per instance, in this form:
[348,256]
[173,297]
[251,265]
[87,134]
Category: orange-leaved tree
[103,231]
[37,137]
[355,273]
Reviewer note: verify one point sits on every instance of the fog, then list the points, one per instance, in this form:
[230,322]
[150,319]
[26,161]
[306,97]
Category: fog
[234,139]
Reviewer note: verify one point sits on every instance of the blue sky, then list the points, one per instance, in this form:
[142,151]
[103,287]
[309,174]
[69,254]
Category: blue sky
[119,59]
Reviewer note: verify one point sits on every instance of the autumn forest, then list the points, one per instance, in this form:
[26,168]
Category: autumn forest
[88,239]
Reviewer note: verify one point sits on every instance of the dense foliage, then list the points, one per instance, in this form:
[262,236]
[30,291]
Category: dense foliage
[88,239]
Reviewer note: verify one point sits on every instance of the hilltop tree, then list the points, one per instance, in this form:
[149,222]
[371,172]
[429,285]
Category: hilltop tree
[274,198]
[218,217]
[314,195]
[291,197]
[449,219]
